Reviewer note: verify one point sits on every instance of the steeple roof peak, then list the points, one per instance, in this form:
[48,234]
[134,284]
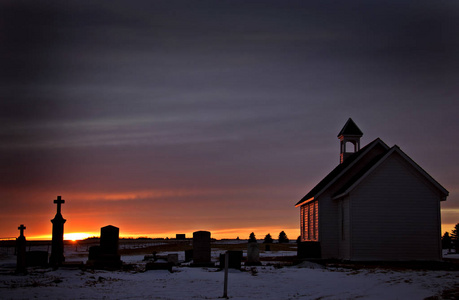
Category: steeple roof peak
[350,128]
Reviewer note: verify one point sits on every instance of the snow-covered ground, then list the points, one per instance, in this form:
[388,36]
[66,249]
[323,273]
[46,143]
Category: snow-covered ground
[306,281]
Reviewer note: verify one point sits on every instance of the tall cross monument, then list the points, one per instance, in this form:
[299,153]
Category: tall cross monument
[21,265]
[21,230]
[57,245]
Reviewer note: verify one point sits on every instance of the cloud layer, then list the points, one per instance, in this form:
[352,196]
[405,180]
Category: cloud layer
[230,108]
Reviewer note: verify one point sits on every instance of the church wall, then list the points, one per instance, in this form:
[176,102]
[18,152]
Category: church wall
[328,224]
[344,229]
[395,215]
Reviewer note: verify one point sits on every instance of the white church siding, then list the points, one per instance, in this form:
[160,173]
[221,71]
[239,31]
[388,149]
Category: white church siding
[328,221]
[344,228]
[395,215]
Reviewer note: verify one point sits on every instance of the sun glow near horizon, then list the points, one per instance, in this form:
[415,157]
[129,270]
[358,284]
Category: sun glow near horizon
[76,236]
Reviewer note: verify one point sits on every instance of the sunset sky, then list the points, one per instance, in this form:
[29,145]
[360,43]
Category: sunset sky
[165,117]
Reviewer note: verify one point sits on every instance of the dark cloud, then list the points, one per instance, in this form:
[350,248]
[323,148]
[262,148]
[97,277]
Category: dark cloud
[104,97]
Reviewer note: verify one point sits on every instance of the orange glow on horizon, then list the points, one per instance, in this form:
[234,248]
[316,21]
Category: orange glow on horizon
[226,233]
[242,233]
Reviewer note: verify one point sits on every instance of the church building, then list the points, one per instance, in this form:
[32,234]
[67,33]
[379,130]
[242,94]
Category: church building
[376,205]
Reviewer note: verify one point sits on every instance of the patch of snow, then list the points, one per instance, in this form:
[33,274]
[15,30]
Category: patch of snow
[261,282]
[309,265]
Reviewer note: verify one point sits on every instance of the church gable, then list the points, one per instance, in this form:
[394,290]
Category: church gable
[394,153]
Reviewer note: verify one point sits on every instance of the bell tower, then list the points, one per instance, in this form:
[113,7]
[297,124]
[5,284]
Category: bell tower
[349,134]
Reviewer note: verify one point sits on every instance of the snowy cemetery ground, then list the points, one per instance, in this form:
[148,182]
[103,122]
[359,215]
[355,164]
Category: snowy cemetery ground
[277,278]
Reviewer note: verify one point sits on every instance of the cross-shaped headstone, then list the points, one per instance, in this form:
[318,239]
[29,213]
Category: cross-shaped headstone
[59,201]
[21,228]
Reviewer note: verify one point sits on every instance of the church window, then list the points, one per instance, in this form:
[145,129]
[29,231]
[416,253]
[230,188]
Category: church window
[310,221]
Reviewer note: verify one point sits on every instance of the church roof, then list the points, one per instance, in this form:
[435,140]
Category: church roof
[344,168]
[336,172]
[350,128]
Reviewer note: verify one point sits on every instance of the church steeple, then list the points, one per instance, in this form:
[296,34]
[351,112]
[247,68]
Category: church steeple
[349,134]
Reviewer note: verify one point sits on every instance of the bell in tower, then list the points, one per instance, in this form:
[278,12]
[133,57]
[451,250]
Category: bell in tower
[349,134]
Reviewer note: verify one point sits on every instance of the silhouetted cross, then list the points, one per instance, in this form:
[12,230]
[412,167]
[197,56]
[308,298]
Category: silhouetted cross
[59,201]
[21,228]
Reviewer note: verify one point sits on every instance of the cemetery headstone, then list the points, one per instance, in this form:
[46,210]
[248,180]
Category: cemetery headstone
[162,262]
[21,264]
[188,255]
[57,244]
[172,258]
[180,236]
[201,249]
[106,255]
[253,254]
[94,253]
[37,258]
[234,259]
[109,239]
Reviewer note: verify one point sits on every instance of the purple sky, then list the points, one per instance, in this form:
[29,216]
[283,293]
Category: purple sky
[175,116]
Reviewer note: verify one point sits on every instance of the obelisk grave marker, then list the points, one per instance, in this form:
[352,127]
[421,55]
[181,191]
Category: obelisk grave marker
[57,245]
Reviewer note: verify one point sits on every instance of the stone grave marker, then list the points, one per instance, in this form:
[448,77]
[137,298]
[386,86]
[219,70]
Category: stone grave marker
[109,239]
[253,254]
[57,244]
[162,262]
[173,259]
[94,253]
[234,259]
[37,258]
[188,255]
[106,255]
[201,249]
